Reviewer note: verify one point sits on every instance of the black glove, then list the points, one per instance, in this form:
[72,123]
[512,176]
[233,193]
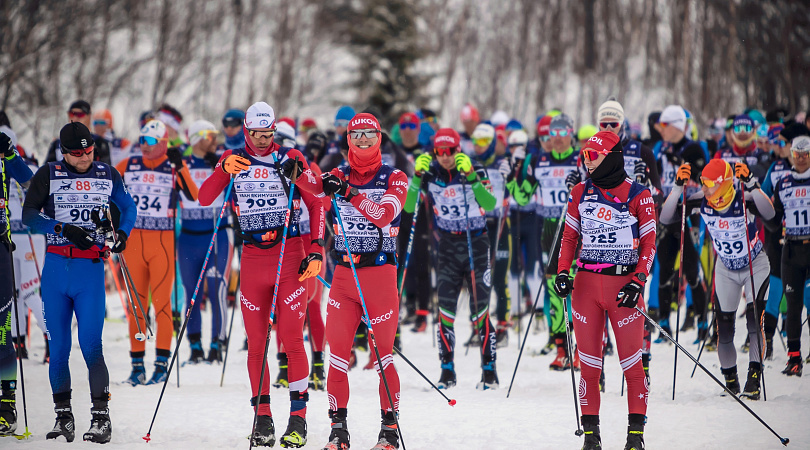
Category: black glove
[175,157]
[78,236]
[212,159]
[562,284]
[573,179]
[6,146]
[99,217]
[332,184]
[120,242]
[640,171]
[630,293]
[291,165]
[306,261]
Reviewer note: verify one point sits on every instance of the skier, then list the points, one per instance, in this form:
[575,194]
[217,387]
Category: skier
[154,179]
[260,198]
[232,129]
[498,171]
[369,195]
[73,273]
[721,208]
[79,111]
[195,234]
[547,173]
[103,126]
[11,166]
[744,147]
[458,189]
[30,254]
[792,205]
[613,218]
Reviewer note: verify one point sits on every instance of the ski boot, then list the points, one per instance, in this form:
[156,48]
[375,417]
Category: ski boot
[197,352]
[64,425]
[794,364]
[161,370]
[502,335]
[420,323]
[549,345]
[769,349]
[540,325]
[317,379]
[339,436]
[602,381]
[448,376]
[576,359]
[711,344]
[265,433]
[19,347]
[751,390]
[703,332]
[489,378]
[100,430]
[665,325]
[296,434]
[645,364]
[562,361]
[590,424]
[388,437]
[732,381]
[689,320]
[138,375]
[635,432]
[281,379]
[214,352]
[746,346]
[361,338]
[8,408]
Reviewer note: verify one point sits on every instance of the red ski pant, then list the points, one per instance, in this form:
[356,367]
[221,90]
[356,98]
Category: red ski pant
[314,292]
[258,282]
[594,296]
[343,314]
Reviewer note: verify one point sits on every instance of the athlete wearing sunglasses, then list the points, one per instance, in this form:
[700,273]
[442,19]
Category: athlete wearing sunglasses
[744,147]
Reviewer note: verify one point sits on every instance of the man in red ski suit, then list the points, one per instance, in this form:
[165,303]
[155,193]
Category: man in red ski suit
[614,219]
[260,198]
[370,198]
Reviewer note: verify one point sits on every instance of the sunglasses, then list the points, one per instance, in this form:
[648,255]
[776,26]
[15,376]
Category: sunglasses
[149,140]
[482,142]
[444,151]
[407,126]
[545,138]
[81,152]
[231,122]
[77,114]
[709,183]
[743,129]
[100,122]
[664,124]
[368,134]
[262,134]
[432,119]
[607,125]
[561,132]
[205,134]
[800,155]
[592,155]
[342,123]
[780,143]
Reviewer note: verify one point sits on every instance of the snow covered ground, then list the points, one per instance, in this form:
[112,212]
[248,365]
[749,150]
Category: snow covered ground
[539,413]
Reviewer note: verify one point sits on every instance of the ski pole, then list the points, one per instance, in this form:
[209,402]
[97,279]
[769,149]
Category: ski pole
[174,268]
[230,327]
[9,245]
[472,270]
[287,217]
[663,332]
[757,317]
[148,437]
[367,318]
[451,402]
[681,283]
[410,241]
[560,224]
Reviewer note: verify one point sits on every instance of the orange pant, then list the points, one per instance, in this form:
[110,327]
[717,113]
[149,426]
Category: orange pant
[150,257]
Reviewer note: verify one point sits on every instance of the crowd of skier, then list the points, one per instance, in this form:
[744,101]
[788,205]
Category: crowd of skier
[390,228]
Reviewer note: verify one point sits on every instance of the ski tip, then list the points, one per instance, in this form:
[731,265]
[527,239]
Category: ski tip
[452,402]
[579,432]
[785,441]
[147,438]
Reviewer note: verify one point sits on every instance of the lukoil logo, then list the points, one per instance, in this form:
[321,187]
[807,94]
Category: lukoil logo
[579,316]
[335,303]
[295,294]
[382,318]
[364,121]
[598,140]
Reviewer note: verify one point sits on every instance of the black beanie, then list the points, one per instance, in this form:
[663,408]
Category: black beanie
[793,131]
[75,136]
[80,105]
